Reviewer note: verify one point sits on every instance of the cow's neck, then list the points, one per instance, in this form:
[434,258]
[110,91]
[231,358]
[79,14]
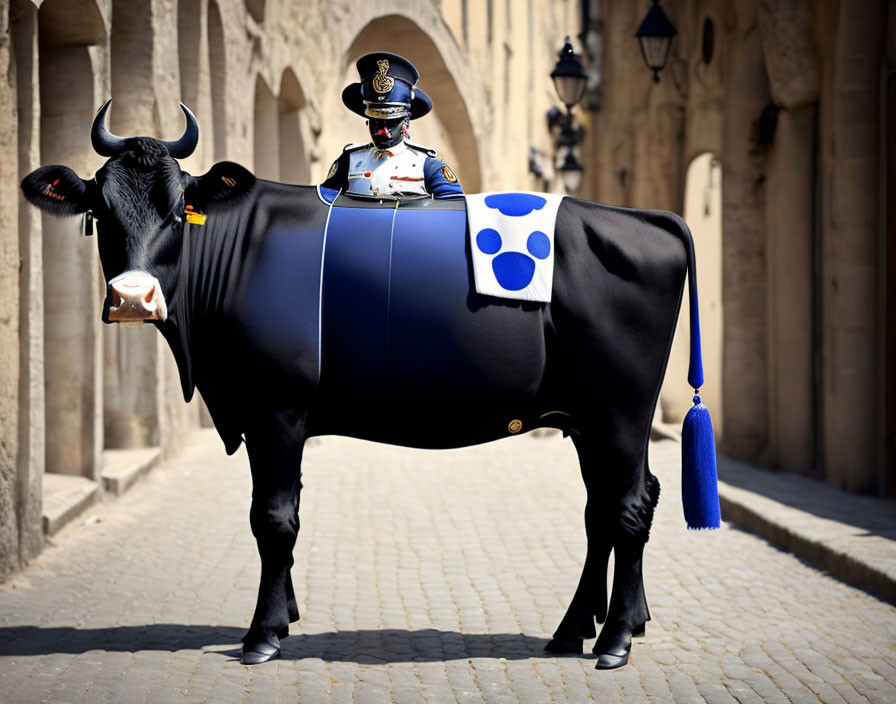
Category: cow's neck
[205,287]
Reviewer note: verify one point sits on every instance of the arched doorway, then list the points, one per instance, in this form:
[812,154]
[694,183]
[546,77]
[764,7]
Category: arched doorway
[703,214]
[448,128]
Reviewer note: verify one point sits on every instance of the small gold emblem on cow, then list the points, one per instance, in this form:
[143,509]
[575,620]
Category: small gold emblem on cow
[515,425]
[381,82]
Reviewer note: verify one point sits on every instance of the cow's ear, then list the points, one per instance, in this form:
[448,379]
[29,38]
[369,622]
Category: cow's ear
[58,190]
[226,183]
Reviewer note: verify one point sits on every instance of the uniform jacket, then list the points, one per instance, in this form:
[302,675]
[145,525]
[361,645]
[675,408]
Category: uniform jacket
[405,169]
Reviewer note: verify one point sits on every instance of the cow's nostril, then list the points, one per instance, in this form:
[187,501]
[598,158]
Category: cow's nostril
[150,294]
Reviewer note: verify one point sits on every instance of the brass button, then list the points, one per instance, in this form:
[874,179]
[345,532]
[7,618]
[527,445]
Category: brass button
[515,426]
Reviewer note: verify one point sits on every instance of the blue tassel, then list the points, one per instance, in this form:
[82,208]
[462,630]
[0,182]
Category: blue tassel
[699,479]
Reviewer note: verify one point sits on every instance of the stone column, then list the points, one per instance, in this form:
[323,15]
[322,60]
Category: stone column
[294,132]
[71,321]
[31,310]
[744,255]
[129,355]
[789,211]
[9,305]
[266,133]
[791,61]
[852,382]
[217,60]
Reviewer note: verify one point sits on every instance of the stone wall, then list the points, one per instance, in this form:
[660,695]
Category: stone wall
[790,102]
[9,304]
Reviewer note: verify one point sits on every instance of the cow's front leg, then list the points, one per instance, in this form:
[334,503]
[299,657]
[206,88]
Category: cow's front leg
[275,455]
[589,604]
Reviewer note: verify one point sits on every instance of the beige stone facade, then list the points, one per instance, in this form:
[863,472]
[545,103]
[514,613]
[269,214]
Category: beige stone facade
[769,130]
[789,212]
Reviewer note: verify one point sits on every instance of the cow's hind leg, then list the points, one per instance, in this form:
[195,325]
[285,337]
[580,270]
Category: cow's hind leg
[622,496]
[275,455]
[632,496]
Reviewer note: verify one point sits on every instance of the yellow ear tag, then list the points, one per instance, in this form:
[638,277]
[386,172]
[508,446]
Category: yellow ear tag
[193,217]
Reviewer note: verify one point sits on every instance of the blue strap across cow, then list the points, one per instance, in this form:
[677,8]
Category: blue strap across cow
[396,288]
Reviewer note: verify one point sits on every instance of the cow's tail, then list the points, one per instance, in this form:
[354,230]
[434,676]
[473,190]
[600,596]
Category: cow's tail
[699,480]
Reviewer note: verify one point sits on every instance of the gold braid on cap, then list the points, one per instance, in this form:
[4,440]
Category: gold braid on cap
[381,82]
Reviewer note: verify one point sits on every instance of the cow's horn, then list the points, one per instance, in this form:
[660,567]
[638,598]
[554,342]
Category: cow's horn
[104,142]
[183,147]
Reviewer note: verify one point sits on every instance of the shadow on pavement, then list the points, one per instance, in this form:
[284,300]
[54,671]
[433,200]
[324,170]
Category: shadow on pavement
[869,515]
[362,646]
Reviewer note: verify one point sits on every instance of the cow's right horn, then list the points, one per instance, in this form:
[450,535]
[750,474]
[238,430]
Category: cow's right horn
[104,142]
[183,147]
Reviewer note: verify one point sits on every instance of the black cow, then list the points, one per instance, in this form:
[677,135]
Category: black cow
[286,344]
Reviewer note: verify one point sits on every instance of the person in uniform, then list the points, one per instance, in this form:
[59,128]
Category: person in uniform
[391,165]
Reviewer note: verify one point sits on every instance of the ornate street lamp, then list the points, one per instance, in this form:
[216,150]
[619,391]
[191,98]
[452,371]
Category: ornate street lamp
[655,35]
[571,172]
[570,81]
[569,77]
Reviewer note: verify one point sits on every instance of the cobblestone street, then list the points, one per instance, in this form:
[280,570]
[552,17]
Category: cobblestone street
[421,577]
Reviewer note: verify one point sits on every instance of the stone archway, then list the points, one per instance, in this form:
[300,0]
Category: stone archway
[72,340]
[449,128]
[703,214]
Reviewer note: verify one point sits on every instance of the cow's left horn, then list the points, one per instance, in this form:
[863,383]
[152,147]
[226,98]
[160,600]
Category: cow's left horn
[183,147]
[104,142]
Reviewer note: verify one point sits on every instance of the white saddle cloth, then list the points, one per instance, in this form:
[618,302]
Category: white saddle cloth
[512,240]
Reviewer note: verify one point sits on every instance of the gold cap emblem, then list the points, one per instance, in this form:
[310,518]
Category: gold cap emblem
[515,425]
[381,82]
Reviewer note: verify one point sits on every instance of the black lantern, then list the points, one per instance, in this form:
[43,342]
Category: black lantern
[569,76]
[655,35]
[571,172]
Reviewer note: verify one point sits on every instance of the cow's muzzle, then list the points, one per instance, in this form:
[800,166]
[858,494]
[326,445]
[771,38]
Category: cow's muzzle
[136,297]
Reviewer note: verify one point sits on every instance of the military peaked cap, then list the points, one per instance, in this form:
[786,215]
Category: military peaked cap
[387,89]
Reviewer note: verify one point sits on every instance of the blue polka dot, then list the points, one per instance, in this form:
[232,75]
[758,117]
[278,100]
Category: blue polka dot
[513,270]
[515,204]
[488,241]
[539,245]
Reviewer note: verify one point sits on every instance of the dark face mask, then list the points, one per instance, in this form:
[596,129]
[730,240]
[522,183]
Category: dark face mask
[386,133]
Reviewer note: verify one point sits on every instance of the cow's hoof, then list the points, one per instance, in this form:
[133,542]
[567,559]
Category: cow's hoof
[613,650]
[558,646]
[610,661]
[259,652]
